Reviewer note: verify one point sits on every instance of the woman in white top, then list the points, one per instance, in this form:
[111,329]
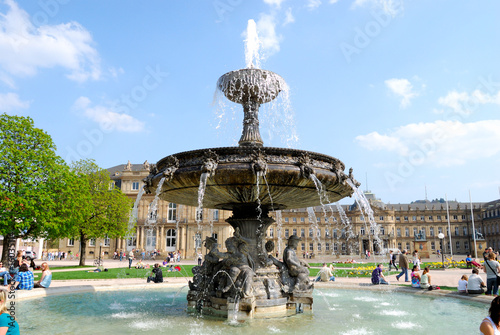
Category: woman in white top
[462,284]
[491,324]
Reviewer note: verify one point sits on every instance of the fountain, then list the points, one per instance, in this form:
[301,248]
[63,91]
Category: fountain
[250,180]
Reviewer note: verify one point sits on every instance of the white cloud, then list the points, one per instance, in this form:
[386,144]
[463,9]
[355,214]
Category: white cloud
[276,3]
[270,41]
[11,101]
[107,118]
[390,7]
[313,4]
[289,18]
[25,48]
[440,143]
[402,88]
[464,103]
[333,1]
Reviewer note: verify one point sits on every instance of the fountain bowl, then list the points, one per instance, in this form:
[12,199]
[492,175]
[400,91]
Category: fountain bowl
[284,176]
[251,85]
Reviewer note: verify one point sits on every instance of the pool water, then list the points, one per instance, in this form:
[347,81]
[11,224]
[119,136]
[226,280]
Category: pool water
[163,311]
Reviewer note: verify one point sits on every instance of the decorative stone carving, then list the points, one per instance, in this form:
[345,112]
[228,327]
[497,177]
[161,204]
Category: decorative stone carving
[171,166]
[145,165]
[306,166]
[259,162]
[128,167]
[210,163]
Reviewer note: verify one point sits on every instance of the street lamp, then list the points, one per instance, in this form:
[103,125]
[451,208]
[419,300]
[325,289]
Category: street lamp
[441,237]
[100,246]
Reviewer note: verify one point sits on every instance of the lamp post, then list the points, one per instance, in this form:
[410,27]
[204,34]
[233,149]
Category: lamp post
[441,238]
[100,246]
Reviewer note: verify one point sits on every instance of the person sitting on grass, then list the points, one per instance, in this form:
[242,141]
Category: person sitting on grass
[475,284]
[46,277]
[177,268]
[378,276]
[156,274]
[415,277]
[26,279]
[325,274]
[139,265]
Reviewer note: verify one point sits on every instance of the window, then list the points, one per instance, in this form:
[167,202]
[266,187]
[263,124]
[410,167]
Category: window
[71,242]
[335,247]
[455,217]
[107,241]
[407,246]
[215,215]
[287,233]
[407,232]
[362,231]
[431,231]
[302,232]
[466,245]
[294,231]
[464,230]
[327,232]
[414,218]
[318,219]
[327,247]
[433,245]
[430,217]
[294,220]
[311,247]
[335,233]
[463,217]
[111,185]
[398,232]
[439,217]
[135,186]
[302,219]
[423,232]
[172,212]
[343,246]
[381,218]
[399,245]
[414,231]
[440,230]
[406,218]
[303,246]
[456,231]
[398,218]
[92,242]
[318,233]
[382,230]
[310,232]
[171,238]
[131,242]
[286,220]
[271,232]
[457,245]
[197,240]
[319,246]
[422,218]
[326,220]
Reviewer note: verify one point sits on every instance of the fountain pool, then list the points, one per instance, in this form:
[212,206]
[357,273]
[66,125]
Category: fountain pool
[163,311]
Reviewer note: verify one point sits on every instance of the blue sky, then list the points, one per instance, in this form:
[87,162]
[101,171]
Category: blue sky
[405,92]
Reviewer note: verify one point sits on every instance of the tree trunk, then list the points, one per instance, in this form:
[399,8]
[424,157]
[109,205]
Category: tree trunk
[83,248]
[5,251]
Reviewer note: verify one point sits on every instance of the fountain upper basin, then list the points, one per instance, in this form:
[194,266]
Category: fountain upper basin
[233,177]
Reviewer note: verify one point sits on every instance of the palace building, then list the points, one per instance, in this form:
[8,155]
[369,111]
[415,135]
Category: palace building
[325,231]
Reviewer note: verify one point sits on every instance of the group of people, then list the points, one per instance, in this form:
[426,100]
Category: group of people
[58,255]
[20,276]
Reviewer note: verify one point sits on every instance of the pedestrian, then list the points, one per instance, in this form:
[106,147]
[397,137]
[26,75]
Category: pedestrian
[403,264]
[492,268]
[121,255]
[416,259]
[392,260]
[130,258]
[200,258]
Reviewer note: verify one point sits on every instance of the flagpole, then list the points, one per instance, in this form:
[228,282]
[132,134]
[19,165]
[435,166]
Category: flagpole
[449,226]
[473,227]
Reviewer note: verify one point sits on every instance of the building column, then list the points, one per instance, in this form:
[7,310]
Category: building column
[137,236]
[143,239]
[162,238]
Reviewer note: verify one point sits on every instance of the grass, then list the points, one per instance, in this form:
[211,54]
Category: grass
[119,273]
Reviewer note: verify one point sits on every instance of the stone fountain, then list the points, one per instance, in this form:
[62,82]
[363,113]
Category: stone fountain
[247,281]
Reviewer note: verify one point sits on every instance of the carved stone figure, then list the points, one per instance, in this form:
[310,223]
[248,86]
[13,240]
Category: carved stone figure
[297,269]
[128,167]
[206,270]
[146,165]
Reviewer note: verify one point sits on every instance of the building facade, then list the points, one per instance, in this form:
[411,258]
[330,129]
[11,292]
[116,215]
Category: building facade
[325,231]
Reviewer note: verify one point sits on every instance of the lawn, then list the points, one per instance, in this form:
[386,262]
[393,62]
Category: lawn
[118,273]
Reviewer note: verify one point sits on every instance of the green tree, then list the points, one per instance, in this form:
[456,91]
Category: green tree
[36,186]
[103,209]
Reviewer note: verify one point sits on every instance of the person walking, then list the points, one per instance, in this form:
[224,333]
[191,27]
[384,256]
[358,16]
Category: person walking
[403,264]
[392,260]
